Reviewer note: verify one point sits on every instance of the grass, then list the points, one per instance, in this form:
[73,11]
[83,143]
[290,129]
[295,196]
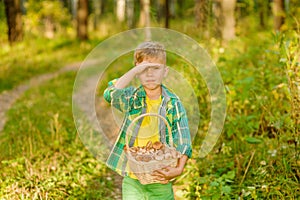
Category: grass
[257,157]
[42,156]
[37,56]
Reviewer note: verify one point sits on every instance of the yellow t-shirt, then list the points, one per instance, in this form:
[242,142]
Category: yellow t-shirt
[149,129]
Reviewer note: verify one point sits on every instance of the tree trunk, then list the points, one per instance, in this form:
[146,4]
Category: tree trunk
[172,9]
[180,5]
[74,9]
[145,17]
[217,12]
[160,7]
[228,25]
[82,20]
[130,13]
[263,12]
[145,13]
[167,16]
[121,10]
[49,27]
[14,20]
[278,12]
[201,13]
[97,4]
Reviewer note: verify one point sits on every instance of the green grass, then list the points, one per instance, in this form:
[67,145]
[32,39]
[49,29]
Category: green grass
[257,156]
[36,56]
[42,156]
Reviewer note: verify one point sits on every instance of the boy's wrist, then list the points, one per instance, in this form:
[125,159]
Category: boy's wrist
[180,169]
[135,71]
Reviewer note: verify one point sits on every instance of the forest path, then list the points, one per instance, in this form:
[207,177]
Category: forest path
[8,98]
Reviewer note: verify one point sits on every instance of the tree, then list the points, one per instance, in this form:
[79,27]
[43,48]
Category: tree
[121,10]
[160,9]
[130,13]
[278,11]
[201,14]
[97,8]
[228,20]
[165,9]
[263,12]
[145,17]
[145,13]
[82,20]
[167,16]
[14,20]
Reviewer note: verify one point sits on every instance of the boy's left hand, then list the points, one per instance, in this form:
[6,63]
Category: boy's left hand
[167,173]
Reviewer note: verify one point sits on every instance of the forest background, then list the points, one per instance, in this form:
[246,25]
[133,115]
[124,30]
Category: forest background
[254,43]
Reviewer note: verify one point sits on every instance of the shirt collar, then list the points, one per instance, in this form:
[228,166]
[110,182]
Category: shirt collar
[166,93]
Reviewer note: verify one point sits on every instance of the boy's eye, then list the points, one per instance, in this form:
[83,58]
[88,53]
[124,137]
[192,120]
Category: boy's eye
[155,67]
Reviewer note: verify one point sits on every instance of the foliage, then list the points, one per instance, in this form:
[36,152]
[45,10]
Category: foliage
[257,157]
[42,13]
[261,134]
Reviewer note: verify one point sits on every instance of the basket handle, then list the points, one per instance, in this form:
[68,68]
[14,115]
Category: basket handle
[151,114]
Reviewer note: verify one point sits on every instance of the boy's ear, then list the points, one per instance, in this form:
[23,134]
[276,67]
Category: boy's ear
[166,71]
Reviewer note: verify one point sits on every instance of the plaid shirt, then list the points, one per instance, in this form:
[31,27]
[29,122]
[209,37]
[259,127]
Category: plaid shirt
[131,101]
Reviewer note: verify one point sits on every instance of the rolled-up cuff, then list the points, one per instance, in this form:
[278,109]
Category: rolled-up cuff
[185,149]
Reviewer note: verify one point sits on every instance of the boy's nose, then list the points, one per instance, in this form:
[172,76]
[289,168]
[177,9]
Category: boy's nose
[149,71]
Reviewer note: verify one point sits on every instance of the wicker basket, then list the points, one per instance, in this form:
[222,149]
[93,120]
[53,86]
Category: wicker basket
[142,170]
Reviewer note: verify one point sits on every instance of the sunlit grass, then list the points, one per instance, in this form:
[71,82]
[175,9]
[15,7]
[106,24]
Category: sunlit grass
[256,156]
[42,156]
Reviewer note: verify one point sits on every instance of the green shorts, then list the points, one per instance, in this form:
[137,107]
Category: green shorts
[132,189]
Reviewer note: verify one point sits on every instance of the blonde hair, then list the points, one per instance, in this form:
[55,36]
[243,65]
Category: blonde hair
[150,50]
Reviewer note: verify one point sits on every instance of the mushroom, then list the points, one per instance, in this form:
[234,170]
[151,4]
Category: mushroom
[159,152]
[152,151]
[149,145]
[146,158]
[157,145]
[168,156]
[139,158]
[159,157]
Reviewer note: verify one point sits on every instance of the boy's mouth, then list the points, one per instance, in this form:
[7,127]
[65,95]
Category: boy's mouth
[150,81]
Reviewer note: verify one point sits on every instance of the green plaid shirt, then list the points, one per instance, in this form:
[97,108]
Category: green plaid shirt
[131,101]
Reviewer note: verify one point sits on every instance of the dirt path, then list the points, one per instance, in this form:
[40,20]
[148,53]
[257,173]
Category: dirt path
[102,117]
[8,98]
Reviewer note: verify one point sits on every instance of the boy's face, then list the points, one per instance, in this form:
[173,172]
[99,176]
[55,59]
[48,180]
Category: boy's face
[152,77]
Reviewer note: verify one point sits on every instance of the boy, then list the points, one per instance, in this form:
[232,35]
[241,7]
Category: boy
[151,97]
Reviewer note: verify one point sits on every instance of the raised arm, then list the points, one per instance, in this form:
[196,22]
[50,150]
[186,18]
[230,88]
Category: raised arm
[124,80]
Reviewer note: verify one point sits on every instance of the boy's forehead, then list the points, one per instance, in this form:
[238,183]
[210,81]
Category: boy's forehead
[154,60]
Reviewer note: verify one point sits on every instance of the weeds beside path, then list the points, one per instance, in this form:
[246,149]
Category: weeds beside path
[7,98]
[7,101]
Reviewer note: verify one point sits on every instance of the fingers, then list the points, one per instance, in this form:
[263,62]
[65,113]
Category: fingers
[148,64]
[162,179]
[145,63]
[158,174]
[164,182]
[167,168]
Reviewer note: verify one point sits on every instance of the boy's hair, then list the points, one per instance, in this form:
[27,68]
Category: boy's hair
[150,50]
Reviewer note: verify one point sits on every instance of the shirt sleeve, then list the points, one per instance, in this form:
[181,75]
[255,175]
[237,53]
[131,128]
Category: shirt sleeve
[180,131]
[118,98]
